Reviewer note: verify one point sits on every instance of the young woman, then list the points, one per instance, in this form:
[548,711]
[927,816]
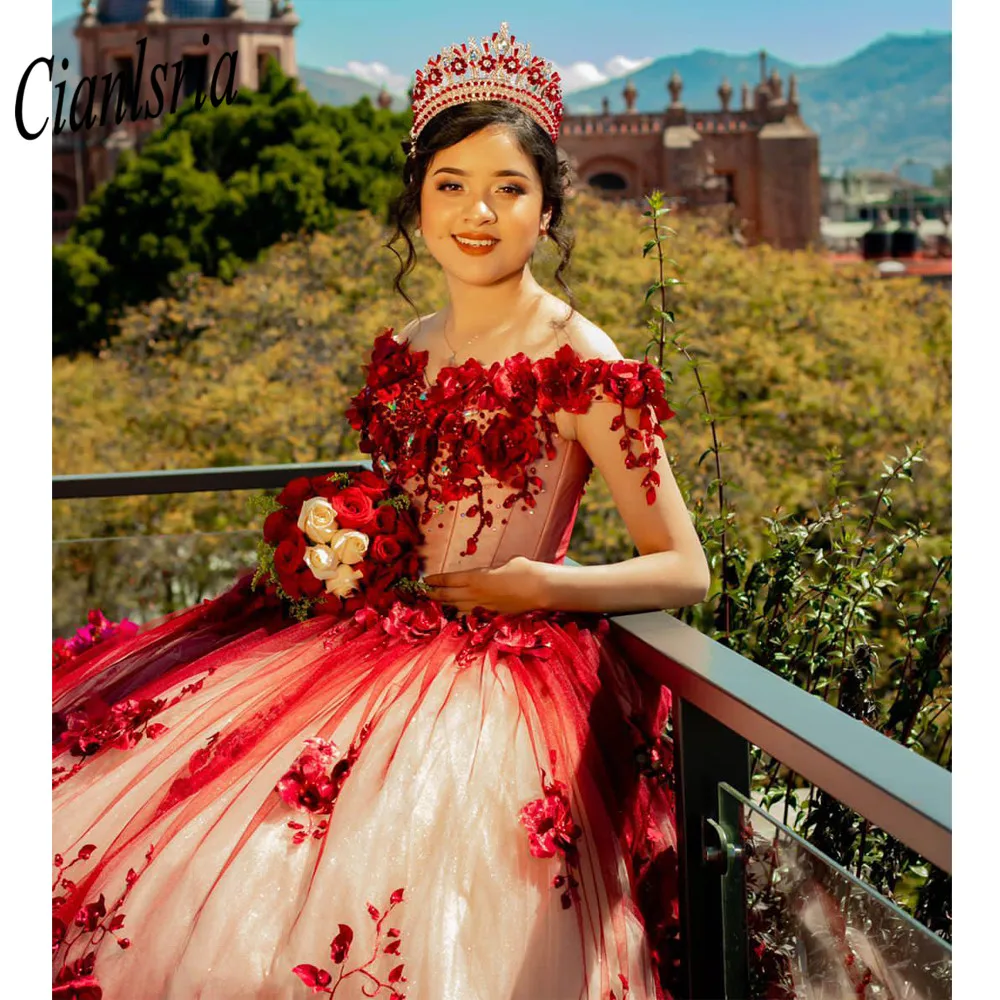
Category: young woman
[462,772]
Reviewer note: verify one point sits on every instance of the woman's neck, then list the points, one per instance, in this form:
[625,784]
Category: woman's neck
[477,310]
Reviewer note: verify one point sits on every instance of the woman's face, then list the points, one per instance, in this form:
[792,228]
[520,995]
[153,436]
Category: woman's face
[481,207]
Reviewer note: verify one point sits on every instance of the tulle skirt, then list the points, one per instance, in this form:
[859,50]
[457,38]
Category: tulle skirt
[380,805]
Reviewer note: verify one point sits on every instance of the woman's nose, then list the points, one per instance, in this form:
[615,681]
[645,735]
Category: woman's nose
[480,212]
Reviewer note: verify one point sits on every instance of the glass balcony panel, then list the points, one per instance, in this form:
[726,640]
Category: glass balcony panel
[815,931]
[143,577]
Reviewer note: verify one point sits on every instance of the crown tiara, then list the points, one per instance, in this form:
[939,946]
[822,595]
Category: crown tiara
[494,69]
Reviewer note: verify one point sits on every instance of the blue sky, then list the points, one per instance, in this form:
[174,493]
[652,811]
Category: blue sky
[385,40]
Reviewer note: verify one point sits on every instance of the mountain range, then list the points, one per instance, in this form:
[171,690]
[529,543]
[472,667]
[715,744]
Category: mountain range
[885,104]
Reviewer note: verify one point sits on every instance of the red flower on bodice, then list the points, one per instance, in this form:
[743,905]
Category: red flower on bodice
[497,421]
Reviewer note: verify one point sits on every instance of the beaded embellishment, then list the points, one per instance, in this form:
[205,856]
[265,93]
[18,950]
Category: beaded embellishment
[494,69]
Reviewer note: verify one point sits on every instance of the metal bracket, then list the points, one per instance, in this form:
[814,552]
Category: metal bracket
[720,857]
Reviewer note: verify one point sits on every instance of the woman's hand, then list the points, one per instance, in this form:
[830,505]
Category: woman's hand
[516,586]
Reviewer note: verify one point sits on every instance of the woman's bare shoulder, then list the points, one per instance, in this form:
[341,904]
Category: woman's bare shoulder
[416,328]
[588,339]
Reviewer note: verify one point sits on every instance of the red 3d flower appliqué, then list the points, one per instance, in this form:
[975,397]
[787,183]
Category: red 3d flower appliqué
[314,782]
[476,421]
[552,832]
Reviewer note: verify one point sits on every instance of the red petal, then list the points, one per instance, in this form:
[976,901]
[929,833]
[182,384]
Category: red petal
[309,974]
[396,974]
[392,948]
[373,913]
[85,852]
[396,897]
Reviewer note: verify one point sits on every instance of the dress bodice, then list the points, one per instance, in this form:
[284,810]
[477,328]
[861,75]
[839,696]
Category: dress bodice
[479,451]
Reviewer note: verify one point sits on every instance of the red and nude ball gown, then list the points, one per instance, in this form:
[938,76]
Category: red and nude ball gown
[412,803]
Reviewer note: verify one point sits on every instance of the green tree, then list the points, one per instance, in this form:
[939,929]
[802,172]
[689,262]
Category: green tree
[211,189]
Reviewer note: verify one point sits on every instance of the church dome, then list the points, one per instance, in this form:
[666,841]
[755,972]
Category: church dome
[126,11]
[194,8]
[123,11]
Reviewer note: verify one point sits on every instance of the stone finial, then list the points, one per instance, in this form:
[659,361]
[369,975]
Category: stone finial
[745,96]
[605,106]
[154,12]
[288,15]
[763,66]
[630,94]
[775,84]
[88,17]
[384,98]
[793,89]
[675,85]
[725,93]
[236,10]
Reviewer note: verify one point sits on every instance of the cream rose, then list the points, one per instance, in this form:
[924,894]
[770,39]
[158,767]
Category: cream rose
[342,583]
[349,546]
[321,560]
[318,520]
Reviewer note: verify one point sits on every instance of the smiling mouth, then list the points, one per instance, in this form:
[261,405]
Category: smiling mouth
[475,246]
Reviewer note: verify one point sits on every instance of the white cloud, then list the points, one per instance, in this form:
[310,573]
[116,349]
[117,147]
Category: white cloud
[580,75]
[576,76]
[375,73]
[621,65]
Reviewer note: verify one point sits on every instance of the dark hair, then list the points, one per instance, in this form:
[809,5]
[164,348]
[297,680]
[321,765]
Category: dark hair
[451,126]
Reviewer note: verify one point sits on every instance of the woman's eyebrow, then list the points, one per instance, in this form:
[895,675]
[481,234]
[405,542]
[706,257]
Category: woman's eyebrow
[465,173]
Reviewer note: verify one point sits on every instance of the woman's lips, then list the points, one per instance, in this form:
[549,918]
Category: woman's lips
[475,251]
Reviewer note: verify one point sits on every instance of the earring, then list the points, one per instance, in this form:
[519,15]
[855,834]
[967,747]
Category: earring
[417,232]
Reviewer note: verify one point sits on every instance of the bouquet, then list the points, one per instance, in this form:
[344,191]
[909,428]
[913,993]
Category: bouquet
[334,543]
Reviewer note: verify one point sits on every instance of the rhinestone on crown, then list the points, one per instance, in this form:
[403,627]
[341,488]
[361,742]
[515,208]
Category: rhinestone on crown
[494,69]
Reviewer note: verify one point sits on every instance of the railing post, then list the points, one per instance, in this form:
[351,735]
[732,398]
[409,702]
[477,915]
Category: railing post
[714,951]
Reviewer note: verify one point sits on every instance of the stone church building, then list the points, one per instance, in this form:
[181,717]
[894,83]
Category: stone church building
[758,165]
[107,33]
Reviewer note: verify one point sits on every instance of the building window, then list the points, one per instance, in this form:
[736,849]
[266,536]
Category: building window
[195,74]
[608,182]
[124,70]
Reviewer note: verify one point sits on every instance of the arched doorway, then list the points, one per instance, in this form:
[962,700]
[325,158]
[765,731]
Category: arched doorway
[608,181]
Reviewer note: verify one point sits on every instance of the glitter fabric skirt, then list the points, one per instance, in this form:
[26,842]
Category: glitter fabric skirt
[392,805]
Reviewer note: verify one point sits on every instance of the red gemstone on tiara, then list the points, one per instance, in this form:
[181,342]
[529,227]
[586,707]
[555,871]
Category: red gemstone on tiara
[510,75]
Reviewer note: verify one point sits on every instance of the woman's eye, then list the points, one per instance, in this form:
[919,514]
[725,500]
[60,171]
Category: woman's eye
[515,188]
[447,186]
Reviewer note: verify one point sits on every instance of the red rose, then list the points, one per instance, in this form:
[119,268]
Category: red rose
[296,493]
[309,586]
[368,482]
[289,554]
[385,549]
[386,519]
[278,526]
[354,508]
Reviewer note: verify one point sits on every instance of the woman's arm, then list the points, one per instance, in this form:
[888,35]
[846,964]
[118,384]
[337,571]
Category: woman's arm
[671,570]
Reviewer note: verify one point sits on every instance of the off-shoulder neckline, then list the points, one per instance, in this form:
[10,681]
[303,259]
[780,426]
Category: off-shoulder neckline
[422,357]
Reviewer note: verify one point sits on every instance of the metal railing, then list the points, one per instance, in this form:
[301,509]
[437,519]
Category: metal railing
[722,703]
